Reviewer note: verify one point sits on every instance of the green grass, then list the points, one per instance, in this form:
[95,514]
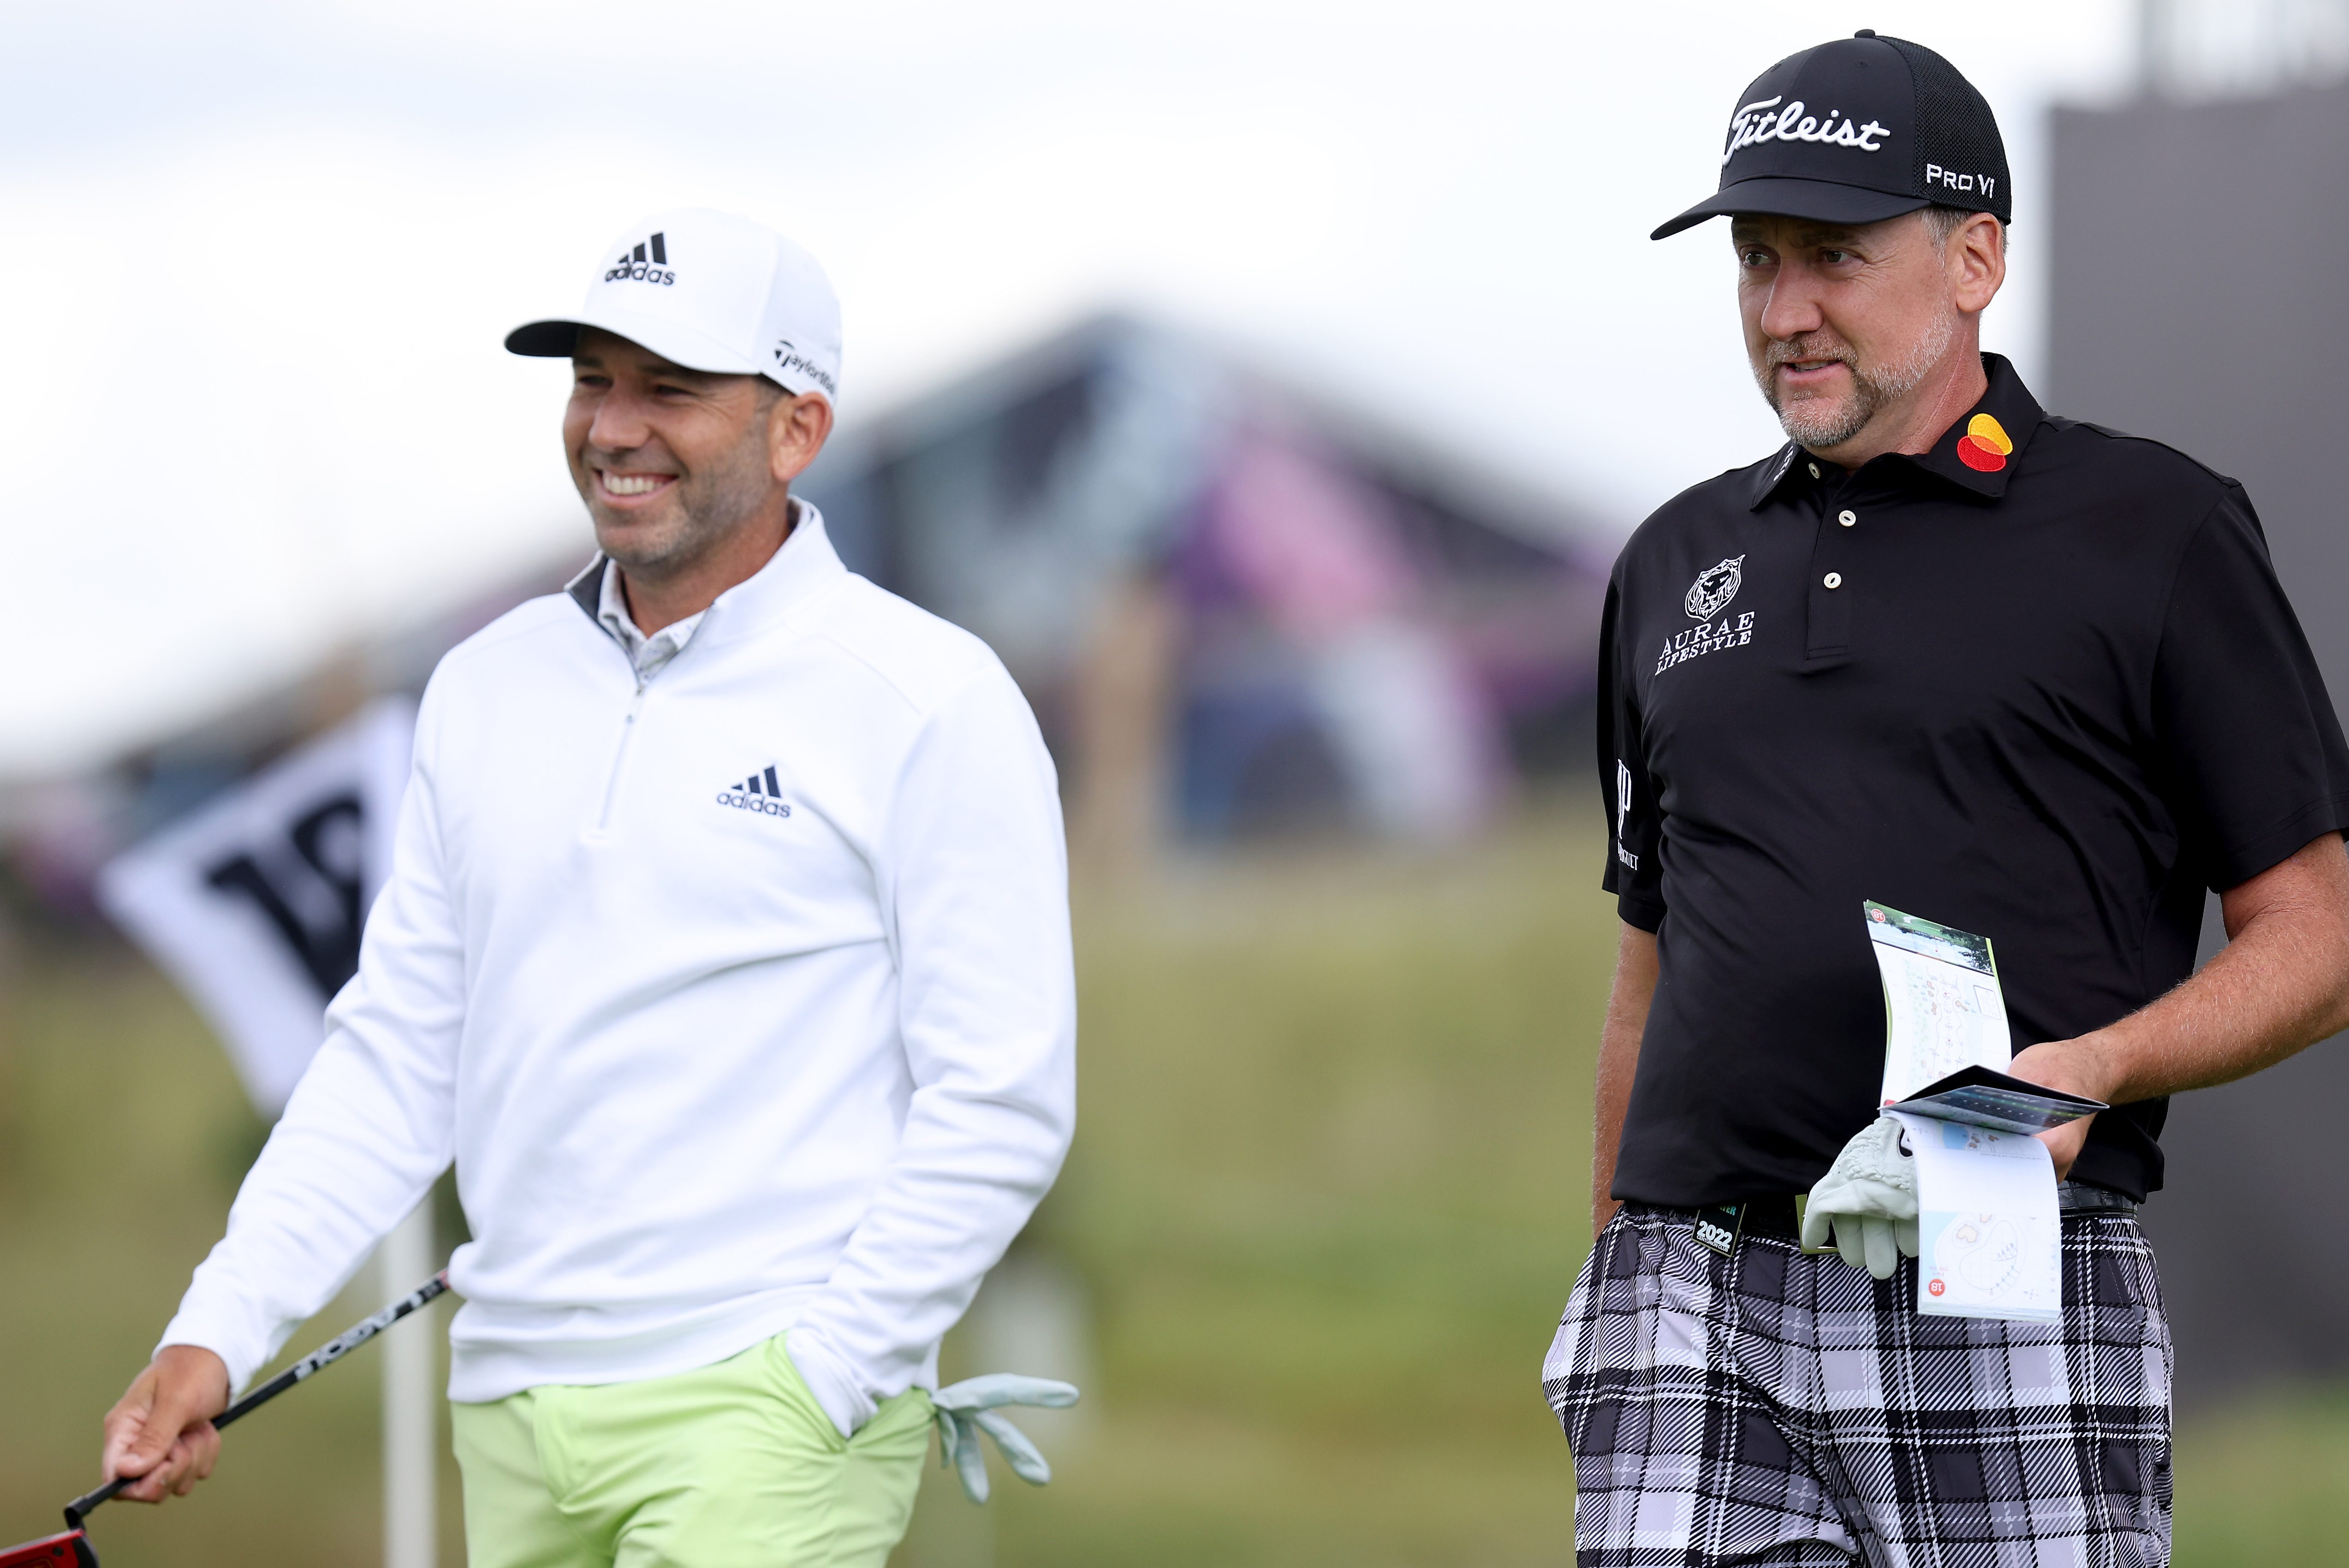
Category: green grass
[1329,1196]
[1326,1200]
[122,1135]
[2266,1482]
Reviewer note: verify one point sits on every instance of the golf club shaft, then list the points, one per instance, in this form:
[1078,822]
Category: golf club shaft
[332,1351]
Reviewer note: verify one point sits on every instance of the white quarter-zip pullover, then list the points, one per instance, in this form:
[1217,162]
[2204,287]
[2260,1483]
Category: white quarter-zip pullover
[738,990]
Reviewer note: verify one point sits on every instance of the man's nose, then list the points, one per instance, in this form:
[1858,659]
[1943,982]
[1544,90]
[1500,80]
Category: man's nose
[1792,307]
[619,423]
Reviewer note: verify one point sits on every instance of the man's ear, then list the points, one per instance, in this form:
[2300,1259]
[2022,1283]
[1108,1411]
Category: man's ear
[1976,261]
[797,429]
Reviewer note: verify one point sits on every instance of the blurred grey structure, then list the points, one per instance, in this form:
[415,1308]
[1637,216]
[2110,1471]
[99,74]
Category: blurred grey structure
[2189,49]
[2196,298]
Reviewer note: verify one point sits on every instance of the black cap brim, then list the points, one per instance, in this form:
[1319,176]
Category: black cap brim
[680,344]
[1820,199]
[545,339]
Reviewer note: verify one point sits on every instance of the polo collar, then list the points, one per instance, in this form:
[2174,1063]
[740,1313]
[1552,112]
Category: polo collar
[803,567]
[1767,483]
[1978,452]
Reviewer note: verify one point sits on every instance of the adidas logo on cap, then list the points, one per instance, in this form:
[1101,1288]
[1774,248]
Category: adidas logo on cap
[760,792]
[643,267]
[726,296]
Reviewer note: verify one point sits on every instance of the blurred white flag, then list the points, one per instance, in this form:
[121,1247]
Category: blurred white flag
[254,901]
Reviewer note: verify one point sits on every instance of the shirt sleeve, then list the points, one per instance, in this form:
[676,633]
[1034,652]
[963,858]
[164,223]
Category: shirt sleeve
[369,1127]
[975,870]
[1634,820]
[2248,743]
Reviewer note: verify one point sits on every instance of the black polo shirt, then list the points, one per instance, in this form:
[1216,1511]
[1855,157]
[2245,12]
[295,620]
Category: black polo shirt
[2048,693]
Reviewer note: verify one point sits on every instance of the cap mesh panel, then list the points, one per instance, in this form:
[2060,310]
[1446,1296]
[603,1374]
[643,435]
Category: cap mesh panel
[1956,129]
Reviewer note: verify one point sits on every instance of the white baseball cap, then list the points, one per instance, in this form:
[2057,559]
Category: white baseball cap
[709,291]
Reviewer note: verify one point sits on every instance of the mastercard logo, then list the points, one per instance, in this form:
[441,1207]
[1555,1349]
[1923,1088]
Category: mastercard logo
[1985,445]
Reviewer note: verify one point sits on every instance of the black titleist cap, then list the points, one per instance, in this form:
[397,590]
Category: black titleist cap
[1858,130]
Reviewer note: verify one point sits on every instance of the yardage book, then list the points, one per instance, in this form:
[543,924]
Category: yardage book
[1943,1010]
[1984,1096]
[1989,1225]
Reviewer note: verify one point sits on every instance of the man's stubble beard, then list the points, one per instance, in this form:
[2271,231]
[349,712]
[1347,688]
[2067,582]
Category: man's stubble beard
[710,506]
[1820,425]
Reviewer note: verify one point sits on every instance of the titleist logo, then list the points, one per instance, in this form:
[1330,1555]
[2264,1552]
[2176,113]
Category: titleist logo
[1767,122]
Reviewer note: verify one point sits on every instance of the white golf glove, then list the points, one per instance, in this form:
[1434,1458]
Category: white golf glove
[968,1408]
[1867,1199]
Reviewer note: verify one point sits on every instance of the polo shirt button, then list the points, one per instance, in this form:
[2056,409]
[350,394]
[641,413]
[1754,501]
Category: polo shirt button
[1833,578]
[1846,518]
[1814,468]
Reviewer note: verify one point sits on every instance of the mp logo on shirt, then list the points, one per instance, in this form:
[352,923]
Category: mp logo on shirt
[1623,813]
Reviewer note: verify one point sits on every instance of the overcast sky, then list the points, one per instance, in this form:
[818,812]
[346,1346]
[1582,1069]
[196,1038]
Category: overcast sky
[260,256]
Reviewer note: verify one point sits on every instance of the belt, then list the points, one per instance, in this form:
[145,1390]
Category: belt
[1721,1225]
[2079,1198]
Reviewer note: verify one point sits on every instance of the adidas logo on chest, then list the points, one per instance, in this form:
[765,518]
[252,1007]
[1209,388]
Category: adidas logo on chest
[760,792]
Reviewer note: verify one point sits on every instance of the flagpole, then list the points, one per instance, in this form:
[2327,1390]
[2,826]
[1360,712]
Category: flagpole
[412,1405]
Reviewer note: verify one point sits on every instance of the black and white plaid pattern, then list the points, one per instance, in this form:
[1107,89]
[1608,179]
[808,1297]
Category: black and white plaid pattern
[1776,1411]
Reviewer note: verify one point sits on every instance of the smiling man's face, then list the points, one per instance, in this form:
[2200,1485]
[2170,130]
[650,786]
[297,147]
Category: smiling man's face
[1842,323]
[669,460]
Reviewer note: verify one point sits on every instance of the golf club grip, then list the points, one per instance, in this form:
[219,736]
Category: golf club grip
[80,1507]
[326,1354]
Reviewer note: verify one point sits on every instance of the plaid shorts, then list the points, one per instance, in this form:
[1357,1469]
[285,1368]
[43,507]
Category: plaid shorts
[1767,1408]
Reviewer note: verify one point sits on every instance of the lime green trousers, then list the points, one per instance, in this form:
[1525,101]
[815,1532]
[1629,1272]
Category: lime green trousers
[731,1466]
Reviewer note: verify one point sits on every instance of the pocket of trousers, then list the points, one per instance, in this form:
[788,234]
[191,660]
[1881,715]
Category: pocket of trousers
[1592,1271]
[905,1416]
[908,1409]
[1573,1345]
[790,1391]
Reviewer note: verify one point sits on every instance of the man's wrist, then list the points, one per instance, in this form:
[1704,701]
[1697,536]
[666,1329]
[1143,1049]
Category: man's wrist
[2089,1065]
[198,1363]
[214,1334]
[2103,1056]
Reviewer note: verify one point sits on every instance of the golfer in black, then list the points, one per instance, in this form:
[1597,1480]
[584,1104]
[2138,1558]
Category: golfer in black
[2013,673]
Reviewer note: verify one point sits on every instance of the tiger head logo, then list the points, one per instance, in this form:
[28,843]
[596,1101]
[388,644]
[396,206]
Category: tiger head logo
[1715,587]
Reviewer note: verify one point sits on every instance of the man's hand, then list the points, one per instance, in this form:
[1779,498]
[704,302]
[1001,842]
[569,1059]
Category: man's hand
[2077,1067]
[161,1430]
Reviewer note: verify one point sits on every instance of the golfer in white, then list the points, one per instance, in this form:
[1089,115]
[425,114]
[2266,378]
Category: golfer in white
[726,952]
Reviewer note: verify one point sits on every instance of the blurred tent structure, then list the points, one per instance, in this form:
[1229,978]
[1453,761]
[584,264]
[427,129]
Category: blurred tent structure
[1238,606]
[2196,298]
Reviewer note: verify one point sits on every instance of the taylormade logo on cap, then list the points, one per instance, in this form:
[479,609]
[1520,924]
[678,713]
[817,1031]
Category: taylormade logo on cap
[789,359]
[709,291]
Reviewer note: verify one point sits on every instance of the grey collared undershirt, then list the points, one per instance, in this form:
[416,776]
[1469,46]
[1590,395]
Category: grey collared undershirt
[649,654]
